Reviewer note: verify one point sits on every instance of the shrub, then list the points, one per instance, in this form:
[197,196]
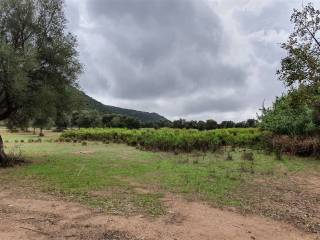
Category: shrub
[288,118]
[229,157]
[175,140]
[303,146]
[248,156]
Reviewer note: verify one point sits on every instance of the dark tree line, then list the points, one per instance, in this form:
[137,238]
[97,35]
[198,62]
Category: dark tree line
[78,119]
[94,119]
[87,119]
[212,124]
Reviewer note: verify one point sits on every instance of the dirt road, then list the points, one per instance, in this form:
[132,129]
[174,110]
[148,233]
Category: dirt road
[43,217]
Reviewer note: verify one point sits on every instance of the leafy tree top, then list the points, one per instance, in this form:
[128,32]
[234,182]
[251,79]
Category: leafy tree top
[38,57]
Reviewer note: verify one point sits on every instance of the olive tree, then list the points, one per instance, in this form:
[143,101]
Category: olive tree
[37,55]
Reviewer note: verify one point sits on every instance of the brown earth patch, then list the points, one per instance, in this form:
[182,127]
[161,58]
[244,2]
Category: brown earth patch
[88,152]
[109,193]
[44,217]
[294,199]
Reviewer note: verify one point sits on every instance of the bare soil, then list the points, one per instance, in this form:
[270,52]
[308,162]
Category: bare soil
[294,199]
[28,216]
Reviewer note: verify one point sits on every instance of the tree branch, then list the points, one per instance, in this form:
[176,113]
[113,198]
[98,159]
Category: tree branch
[313,36]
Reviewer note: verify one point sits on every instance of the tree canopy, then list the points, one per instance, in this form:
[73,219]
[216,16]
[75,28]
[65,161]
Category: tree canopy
[38,57]
[297,112]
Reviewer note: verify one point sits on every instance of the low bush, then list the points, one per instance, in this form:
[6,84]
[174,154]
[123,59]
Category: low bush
[303,146]
[248,156]
[175,140]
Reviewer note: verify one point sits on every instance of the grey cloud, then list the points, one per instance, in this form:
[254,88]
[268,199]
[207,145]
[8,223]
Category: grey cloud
[165,48]
[178,58]
[207,104]
[275,17]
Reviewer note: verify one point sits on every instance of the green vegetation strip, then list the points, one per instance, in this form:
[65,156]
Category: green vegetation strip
[170,139]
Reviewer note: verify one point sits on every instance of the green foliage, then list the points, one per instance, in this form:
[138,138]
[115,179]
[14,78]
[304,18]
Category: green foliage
[62,121]
[298,112]
[132,123]
[171,139]
[284,118]
[211,124]
[38,58]
[227,124]
[301,65]
[92,104]
[93,119]
[106,120]
[19,120]
[88,119]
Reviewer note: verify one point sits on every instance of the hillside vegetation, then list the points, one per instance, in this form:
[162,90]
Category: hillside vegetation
[92,104]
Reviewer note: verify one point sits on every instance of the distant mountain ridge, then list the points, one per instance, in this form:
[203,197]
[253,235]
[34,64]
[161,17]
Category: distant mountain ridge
[146,117]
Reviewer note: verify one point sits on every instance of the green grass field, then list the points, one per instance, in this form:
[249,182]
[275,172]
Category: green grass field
[124,180]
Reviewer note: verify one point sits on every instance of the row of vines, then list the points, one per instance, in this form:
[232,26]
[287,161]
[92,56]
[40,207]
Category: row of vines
[170,139]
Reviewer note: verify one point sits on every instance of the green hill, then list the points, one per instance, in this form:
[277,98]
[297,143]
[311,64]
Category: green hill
[92,104]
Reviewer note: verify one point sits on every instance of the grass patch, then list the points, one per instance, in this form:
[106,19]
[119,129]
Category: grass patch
[76,170]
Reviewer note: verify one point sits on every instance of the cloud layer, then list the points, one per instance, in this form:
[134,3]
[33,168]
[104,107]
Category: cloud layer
[196,59]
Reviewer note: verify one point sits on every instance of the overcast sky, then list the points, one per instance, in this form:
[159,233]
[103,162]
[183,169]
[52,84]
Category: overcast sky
[195,59]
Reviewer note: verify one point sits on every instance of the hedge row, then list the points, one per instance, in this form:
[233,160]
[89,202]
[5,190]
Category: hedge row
[170,139]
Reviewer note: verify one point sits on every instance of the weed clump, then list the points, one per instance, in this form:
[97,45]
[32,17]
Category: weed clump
[247,165]
[229,157]
[248,156]
[195,161]
[13,158]
[278,154]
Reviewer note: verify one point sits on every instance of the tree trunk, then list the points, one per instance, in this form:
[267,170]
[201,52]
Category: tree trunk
[41,133]
[3,156]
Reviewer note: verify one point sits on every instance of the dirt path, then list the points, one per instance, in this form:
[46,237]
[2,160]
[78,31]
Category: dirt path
[30,218]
